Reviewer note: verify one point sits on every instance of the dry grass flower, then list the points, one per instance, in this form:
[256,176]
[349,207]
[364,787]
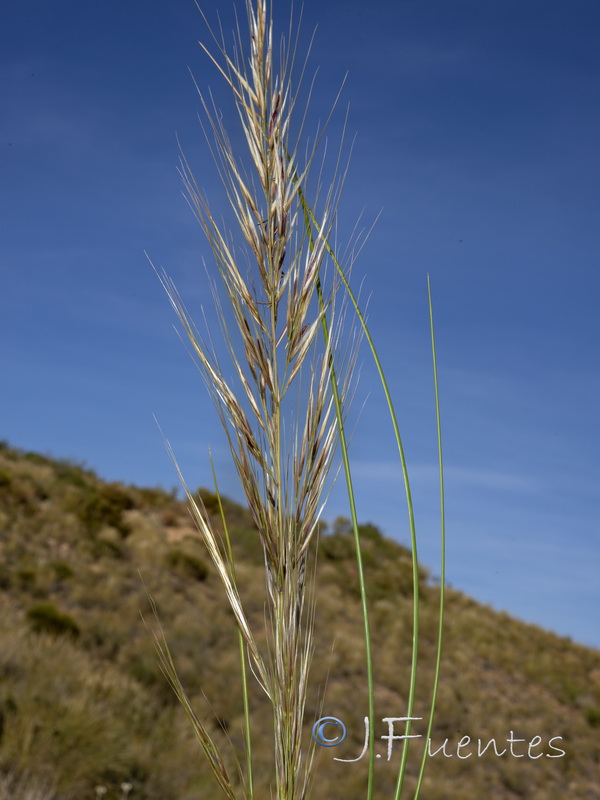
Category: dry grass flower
[283,397]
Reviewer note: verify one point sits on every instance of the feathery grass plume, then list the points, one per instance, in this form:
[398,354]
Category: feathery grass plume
[283,400]
[278,409]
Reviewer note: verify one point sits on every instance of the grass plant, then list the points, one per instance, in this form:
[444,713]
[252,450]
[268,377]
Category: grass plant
[284,301]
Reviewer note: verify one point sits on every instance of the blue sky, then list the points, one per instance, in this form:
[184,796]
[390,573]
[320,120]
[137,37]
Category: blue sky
[477,127]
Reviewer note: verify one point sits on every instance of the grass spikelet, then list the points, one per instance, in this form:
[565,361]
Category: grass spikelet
[283,398]
[282,459]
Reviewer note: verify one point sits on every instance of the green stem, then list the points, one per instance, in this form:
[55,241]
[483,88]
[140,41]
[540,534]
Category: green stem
[352,503]
[443,545]
[413,536]
[359,561]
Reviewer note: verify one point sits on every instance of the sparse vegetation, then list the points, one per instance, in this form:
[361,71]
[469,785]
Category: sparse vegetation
[103,689]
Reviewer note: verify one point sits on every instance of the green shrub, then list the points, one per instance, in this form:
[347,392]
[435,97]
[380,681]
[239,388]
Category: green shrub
[5,479]
[101,506]
[36,458]
[142,666]
[371,533]
[108,543]
[5,577]
[18,494]
[337,547]
[47,618]
[211,502]
[156,498]
[246,545]
[26,577]
[75,474]
[62,570]
[187,564]
[593,716]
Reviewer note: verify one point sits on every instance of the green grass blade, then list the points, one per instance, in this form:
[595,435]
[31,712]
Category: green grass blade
[443,543]
[413,537]
[359,562]
[308,219]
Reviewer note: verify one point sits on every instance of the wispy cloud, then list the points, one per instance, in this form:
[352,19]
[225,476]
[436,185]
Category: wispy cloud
[389,471]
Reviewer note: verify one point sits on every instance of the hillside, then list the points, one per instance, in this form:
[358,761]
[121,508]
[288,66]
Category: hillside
[86,713]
